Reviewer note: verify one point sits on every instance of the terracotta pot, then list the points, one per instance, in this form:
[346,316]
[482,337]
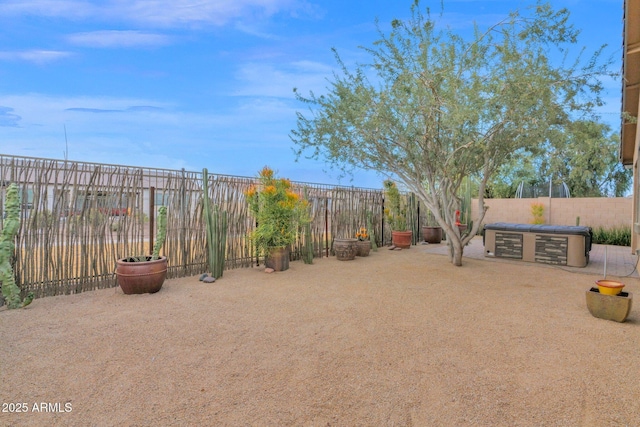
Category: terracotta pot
[363,247]
[345,249]
[278,259]
[432,234]
[401,239]
[141,277]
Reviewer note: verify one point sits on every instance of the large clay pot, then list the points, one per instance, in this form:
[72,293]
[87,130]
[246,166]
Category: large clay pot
[401,239]
[278,259]
[432,234]
[141,277]
[363,247]
[345,249]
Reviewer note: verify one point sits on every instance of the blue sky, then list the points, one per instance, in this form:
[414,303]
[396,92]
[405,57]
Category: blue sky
[205,83]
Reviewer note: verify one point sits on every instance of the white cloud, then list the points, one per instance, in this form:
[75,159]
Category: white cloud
[96,124]
[256,31]
[119,137]
[159,13]
[111,39]
[42,111]
[262,79]
[8,118]
[163,136]
[69,9]
[36,56]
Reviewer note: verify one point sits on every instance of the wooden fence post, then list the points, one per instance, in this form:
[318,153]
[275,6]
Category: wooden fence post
[152,216]
[326,225]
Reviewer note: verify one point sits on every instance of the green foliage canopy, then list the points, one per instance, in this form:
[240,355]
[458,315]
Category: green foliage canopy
[432,107]
[583,156]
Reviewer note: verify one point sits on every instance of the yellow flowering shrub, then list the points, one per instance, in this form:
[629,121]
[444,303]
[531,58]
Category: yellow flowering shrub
[278,210]
[537,211]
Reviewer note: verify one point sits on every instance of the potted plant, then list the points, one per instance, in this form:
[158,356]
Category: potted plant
[395,213]
[462,227]
[145,274]
[430,232]
[363,245]
[279,213]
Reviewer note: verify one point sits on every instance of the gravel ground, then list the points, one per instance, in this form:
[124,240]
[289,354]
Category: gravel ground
[398,338]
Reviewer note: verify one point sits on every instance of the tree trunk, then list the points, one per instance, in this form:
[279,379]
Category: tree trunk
[455,249]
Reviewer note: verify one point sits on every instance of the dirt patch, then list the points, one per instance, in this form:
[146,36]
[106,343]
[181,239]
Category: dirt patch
[396,338]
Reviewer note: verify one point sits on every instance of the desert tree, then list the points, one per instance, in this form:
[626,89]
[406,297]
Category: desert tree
[584,156]
[433,106]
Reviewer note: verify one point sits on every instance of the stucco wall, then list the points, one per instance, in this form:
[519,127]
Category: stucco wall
[593,211]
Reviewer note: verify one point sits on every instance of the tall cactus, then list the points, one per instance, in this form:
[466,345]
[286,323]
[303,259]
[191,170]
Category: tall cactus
[413,218]
[307,254]
[161,234]
[219,241]
[307,251]
[216,223]
[466,201]
[372,231]
[10,289]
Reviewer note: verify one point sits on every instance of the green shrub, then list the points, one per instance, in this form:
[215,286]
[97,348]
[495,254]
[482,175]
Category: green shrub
[618,236]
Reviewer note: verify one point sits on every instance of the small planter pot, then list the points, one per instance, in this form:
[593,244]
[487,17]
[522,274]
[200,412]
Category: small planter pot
[401,239]
[278,259]
[141,277]
[432,234]
[363,247]
[609,307]
[609,287]
[345,249]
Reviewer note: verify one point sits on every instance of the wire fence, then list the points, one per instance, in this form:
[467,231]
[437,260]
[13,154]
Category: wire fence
[78,218]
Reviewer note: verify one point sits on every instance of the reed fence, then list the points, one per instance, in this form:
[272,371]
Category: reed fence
[78,218]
